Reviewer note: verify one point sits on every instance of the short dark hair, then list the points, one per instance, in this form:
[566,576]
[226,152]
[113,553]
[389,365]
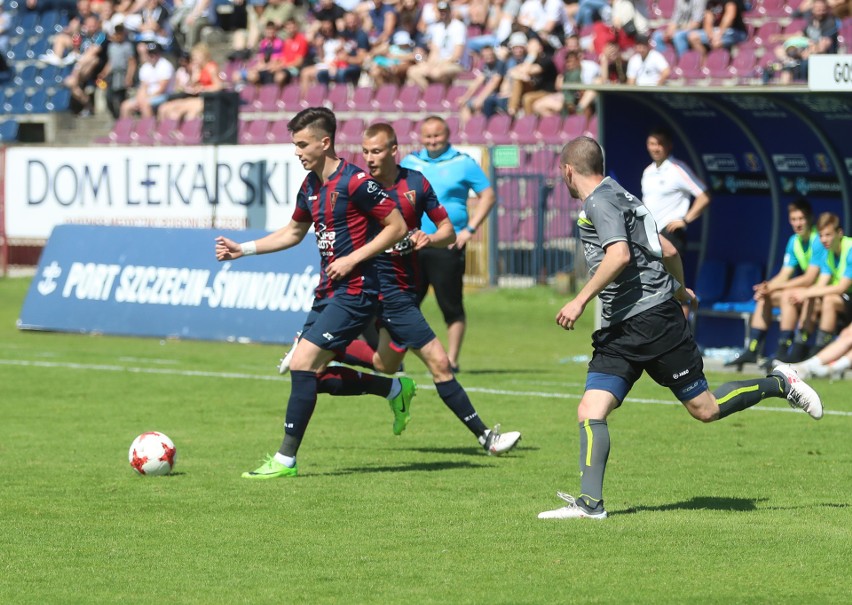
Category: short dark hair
[584,155]
[662,134]
[316,118]
[382,128]
[802,205]
[437,118]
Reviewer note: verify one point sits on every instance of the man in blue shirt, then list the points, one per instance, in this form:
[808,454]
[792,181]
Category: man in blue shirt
[453,174]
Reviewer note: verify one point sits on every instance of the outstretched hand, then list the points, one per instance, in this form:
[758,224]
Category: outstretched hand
[569,314]
[227,249]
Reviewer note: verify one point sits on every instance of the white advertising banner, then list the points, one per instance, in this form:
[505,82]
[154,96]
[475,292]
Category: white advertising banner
[830,72]
[150,187]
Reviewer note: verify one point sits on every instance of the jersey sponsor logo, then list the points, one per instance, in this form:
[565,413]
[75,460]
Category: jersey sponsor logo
[360,176]
[333,199]
[312,198]
[328,336]
[411,196]
[325,240]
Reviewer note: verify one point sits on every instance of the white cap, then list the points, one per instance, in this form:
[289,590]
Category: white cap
[401,38]
[517,39]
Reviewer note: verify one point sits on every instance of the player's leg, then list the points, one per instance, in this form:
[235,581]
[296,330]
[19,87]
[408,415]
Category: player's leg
[454,396]
[758,328]
[832,308]
[449,292]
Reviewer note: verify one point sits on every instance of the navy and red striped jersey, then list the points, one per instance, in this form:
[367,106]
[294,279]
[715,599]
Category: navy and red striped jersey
[399,270]
[346,212]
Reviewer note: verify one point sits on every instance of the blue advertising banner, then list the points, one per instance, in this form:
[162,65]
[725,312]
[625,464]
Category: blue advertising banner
[167,283]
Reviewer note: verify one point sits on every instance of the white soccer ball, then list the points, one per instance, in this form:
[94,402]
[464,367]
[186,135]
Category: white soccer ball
[152,453]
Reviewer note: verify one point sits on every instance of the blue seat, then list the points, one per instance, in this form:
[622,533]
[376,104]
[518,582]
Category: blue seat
[712,281]
[744,277]
[26,22]
[38,48]
[48,76]
[16,102]
[60,100]
[26,76]
[38,102]
[18,49]
[8,131]
[49,23]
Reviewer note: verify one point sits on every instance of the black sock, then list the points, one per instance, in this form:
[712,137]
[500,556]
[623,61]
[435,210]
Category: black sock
[594,452]
[737,396]
[455,397]
[756,338]
[346,382]
[300,408]
[785,340]
[822,339]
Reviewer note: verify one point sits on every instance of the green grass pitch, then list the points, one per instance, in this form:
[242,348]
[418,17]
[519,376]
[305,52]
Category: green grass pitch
[753,509]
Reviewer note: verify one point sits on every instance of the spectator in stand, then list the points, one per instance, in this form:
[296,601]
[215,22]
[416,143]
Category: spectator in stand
[592,11]
[546,19]
[568,99]
[5,26]
[326,10]
[487,79]
[839,8]
[818,37]
[119,70]
[389,63]
[380,21]
[688,15]
[723,26]
[295,51]
[647,67]
[69,39]
[499,101]
[532,80]
[267,67]
[832,361]
[188,18]
[631,16]
[408,18]
[93,58]
[277,11]
[327,46]
[203,78]
[351,54]
[151,24]
[498,27]
[155,82]
[446,49]
[613,69]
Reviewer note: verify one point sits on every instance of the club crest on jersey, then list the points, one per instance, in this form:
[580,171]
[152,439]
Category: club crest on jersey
[333,198]
[372,187]
[411,196]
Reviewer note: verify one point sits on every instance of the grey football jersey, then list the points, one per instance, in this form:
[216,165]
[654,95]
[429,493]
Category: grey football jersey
[611,214]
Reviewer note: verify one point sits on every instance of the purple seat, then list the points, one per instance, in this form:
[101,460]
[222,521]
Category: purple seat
[542,161]
[689,66]
[121,130]
[142,130]
[404,129]
[362,99]
[190,132]
[253,132]
[591,129]
[278,132]
[665,9]
[433,98]
[454,93]
[473,132]
[408,99]
[267,98]
[350,131]
[744,64]
[795,26]
[574,126]
[166,131]
[523,130]
[775,8]
[549,130]
[768,34]
[385,98]
[315,96]
[248,98]
[453,125]
[498,130]
[290,99]
[716,64]
[338,97]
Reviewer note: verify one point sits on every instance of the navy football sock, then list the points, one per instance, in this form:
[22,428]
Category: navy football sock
[455,398]
[300,408]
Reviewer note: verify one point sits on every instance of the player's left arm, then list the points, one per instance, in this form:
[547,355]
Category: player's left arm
[285,237]
[485,202]
[393,230]
[444,236]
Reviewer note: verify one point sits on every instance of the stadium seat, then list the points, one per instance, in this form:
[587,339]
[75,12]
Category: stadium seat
[498,130]
[142,129]
[454,93]
[252,132]
[50,23]
[795,26]
[404,129]
[278,132]
[775,8]
[190,132]
[689,66]
[523,130]
[573,127]
[744,276]
[289,98]
[315,96]
[664,9]
[37,103]
[26,76]
[716,64]
[473,132]
[338,97]
[26,23]
[362,99]
[767,34]
[549,130]
[350,131]
[433,98]
[383,100]
[8,131]
[744,64]
[37,48]
[452,125]
[166,131]
[18,49]
[712,281]
[408,99]
[542,161]
[16,102]
[59,100]
[248,98]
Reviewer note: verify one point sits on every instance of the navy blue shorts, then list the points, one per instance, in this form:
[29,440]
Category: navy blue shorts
[405,323]
[335,322]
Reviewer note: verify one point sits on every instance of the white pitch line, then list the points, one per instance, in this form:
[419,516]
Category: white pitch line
[268,377]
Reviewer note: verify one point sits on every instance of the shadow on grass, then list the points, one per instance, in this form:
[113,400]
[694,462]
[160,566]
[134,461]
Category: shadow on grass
[701,503]
[404,468]
[465,451]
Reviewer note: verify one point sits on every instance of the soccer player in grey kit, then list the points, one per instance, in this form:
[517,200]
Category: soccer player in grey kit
[639,279]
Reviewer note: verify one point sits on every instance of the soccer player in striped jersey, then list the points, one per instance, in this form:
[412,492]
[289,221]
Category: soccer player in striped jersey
[354,220]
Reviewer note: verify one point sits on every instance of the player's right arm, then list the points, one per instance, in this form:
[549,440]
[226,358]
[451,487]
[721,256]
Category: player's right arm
[286,237]
[616,257]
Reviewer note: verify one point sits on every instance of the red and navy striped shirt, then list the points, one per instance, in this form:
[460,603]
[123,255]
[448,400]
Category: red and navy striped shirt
[346,211]
[399,270]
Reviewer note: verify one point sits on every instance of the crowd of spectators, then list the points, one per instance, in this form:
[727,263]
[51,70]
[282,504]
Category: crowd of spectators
[517,56]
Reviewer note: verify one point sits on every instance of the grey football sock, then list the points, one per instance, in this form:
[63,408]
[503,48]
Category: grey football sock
[594,451]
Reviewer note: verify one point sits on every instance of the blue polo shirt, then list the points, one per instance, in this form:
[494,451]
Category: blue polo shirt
[452,174]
